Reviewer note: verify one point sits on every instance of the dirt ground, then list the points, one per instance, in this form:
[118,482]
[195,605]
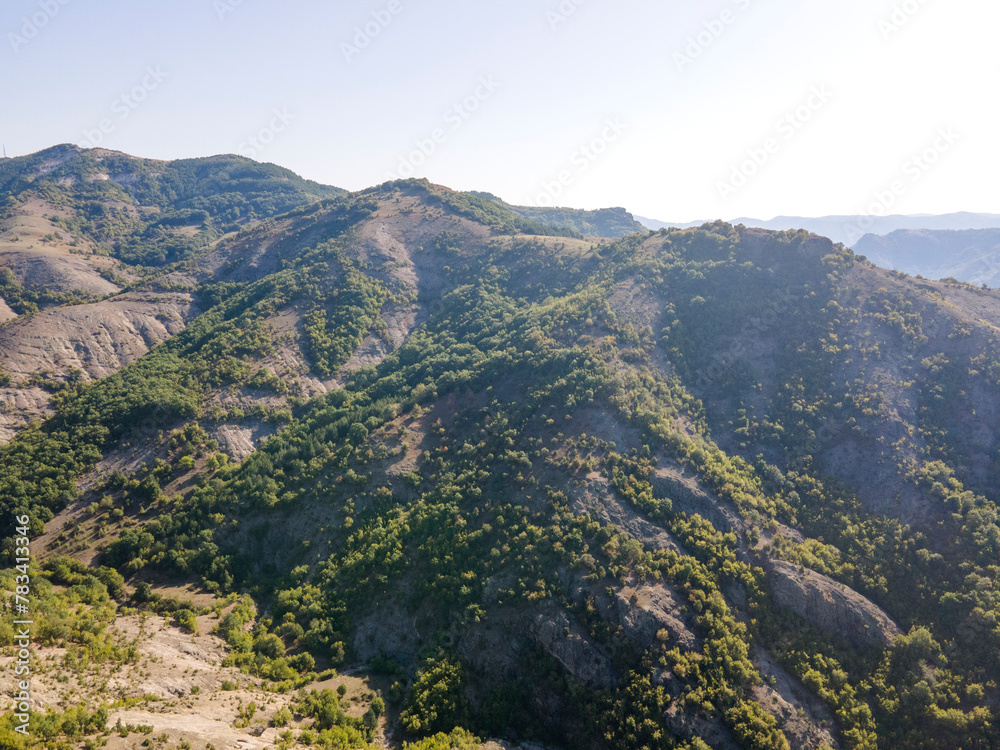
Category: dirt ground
[177,686]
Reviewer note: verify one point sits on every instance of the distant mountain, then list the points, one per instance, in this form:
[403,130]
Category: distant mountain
[231,189]
[656,225]
[849,229]
[604,222]
[971,255]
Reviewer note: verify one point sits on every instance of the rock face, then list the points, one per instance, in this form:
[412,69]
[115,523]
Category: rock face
[582,658]
[830,606]
[240,440]
[688,496]
[18,406]
[712,731]
[596,496]
[645,611]
[97,338]
[387,632]
[804,718]
[492,650]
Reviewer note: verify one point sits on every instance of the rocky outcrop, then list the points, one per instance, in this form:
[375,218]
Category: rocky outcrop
[712,731]
[582,658]
[830,606]
[806,721]
[691,498]
[492,650]
[400,320]
[387,631]
[595,496]
[240,440]
[647,611]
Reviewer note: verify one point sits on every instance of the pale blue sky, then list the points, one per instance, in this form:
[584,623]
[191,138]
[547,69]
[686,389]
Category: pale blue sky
[685,130]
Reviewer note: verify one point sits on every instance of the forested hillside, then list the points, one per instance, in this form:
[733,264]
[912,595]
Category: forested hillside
[716,487]
[605,222]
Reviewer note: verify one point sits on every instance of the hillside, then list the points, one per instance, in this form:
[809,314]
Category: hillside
[609,223]
[972,255]
[86,238]
[718,487]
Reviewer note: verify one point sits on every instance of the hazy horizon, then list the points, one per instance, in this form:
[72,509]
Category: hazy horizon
[731,108]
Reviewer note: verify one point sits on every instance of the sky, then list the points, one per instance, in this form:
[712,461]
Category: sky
[676,110]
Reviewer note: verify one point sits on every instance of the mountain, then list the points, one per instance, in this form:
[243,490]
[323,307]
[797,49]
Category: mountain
[656,225]
[849,229]
[83,234]
[971,255]
[605,222]
[406,466]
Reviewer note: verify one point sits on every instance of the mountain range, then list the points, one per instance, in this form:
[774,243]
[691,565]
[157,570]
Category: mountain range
[971,255]
[848,229]
[408,466]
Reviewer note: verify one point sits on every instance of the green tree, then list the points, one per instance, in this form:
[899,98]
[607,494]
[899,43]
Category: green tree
[437,701]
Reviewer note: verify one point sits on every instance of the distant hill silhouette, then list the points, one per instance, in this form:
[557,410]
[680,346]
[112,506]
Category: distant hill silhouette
[849,229]
[971,255]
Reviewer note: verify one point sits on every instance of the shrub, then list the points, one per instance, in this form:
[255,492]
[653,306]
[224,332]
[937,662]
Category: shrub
[437,701]
[281,718]
[186,620]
